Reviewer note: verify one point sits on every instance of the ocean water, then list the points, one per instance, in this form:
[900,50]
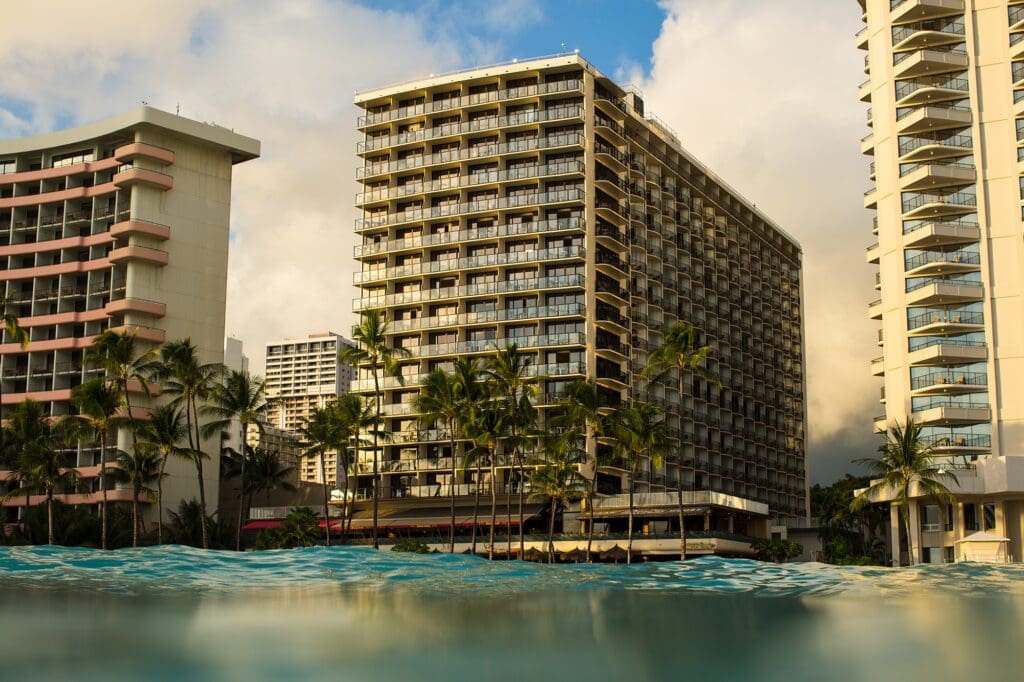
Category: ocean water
[177,613]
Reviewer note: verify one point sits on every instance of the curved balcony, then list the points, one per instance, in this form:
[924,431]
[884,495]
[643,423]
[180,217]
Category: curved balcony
[960,444]
[931,235]
[58,196]
[948,382]
[151,334]
[948,352]
[140,254]
[940,263]
[913,38]
[136,305]
[151,152]
[935,294]
[929,62]
[130,177]
[58,172]
[55,269]
[140,228]
[913,11]
[45,246]
[937,175]
[935,147]
[931,89]
[925,206]
[925,119]
[945,323]
[953,414]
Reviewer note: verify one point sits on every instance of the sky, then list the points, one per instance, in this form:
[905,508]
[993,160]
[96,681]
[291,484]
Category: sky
[762,92]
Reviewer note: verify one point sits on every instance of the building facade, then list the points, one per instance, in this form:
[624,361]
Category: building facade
[120,224]
[946,118]
[535,203]
[303,375]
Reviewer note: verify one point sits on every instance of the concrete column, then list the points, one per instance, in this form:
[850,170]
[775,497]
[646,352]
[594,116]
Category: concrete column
[914,542]
[959,531]
[894,533]
[1001,519]
[707,521]
[730,523]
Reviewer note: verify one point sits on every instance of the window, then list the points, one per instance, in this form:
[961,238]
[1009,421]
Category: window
[930,518]
[520,331]
[7,166]
[990,516]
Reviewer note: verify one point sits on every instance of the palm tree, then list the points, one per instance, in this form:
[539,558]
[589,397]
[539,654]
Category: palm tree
[641,433]
[139,468]
[40,465]
[487,428]
[242,396]
[9,323]
[467,375]
[117,355]
[441,401]
[509,370]
[190,381]
[97,403]
[906,460]
[580,403]
[319,433]
[372,349]
[353,417]
[162,433]
[679,351]
[267,473]
[557,479]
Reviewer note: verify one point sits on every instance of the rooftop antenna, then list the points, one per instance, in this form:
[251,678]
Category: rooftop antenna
[177,109]
[563,48]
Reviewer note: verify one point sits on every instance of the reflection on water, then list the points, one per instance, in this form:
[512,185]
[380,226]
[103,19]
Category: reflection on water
[343,613]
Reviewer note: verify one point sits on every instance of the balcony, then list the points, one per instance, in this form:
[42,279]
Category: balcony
[136,305]
[936,175]
[939,263]
[912,11]
[873,254]
[875,310]
[480,233]
[960,444]
[936,294]
[864,91]
[932,235]
[931,34]
[928,63]
[487,289]
[931,89]
[948,382]
[867,144]
[934,147]
[140,228]
[469,263]
[948,352]
[871,198]
[135,150]
[130,176]
[953,414]
[141,333]
[923,206]
[878,367]
[945,323]
[140,254]
[925,119]
[861,39]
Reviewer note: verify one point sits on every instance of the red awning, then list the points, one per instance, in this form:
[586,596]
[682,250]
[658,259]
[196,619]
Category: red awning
[261,525]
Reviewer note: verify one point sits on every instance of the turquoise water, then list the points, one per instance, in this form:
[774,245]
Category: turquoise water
[175,613]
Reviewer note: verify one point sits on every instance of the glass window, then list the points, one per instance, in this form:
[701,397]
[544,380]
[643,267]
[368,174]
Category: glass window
[990,517]
[970,517]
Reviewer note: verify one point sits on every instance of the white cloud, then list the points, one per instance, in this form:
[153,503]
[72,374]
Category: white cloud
[765,94]
[282,72]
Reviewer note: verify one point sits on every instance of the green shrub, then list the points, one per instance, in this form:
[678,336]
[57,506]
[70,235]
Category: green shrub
[410,545]
[777,549]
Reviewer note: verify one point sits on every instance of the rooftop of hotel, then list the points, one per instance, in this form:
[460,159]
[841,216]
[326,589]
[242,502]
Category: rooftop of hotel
[242,148]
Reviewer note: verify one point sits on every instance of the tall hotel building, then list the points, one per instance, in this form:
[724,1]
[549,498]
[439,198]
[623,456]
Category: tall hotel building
[946,89]
[535,203]
[120,224]
[303,375]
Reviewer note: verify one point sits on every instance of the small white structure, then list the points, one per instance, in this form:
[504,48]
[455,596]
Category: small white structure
[984,548]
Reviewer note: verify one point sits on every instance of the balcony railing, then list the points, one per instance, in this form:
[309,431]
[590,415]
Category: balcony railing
[952,27]
[906,88]
[469,100]
[484,205]
[492,232]
[949,257]
[926,319]
[956,440]
[909,144]
[470,262]
[913,201]
[479,125]
[472,180]
[938,378]
[506,315]
[487,345]
[508,286]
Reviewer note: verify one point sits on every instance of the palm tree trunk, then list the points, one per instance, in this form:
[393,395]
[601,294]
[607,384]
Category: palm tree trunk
[376,436]
[24,518]
[508,514]
[202,482]
[522,486]
[160,501]
[476,506]
[629,532]
[494,501]
[590,513]
[327,515]
[343,455]
[551,532]
[103,488]
[241,491]
[679,482]
[455,473]
[49,517]
[135,514]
